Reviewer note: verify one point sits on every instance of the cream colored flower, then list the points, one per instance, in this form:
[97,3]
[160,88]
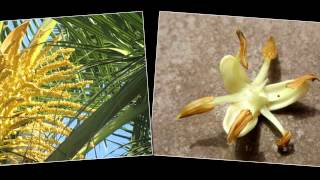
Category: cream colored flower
[250,98]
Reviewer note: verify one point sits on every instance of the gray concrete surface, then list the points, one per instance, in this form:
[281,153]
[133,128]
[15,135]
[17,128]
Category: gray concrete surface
[190,47]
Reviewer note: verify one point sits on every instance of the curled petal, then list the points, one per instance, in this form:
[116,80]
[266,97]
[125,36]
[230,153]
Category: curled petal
[233,74]
[198,106]
[301,80]
[238,122]
[285,93]
[244,117]
[243,49]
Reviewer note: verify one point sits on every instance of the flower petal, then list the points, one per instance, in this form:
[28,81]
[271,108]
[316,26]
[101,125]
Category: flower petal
[233,74]
[244,117]
[286,135]
[301,80]
[206,104]
[243,49]
[269,53]
[285,93]
[269,50]
[267,114]
[198,106]
[235,114]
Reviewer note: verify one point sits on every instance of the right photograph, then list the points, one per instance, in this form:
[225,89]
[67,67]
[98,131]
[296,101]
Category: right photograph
[237,88]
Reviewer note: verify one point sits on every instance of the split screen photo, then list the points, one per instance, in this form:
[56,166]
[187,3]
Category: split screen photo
[225,87]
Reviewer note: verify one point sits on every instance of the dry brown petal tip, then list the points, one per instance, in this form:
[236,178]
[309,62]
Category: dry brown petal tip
[198,106]
[243,49]
[244,117]
[269,50]
[301,80]
[284,140]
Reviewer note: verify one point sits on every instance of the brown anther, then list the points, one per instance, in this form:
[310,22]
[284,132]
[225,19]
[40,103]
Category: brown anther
[244,117]
[285,139]
[198,106]
[269,50]
[243,49]
[301,80]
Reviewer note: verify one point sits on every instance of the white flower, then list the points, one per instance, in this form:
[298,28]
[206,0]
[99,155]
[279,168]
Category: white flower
[250,98]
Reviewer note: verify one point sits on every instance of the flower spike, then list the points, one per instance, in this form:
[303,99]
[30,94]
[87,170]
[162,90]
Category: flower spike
[35,94]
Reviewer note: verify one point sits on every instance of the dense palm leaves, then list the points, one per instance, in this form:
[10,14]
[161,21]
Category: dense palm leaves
[111,49]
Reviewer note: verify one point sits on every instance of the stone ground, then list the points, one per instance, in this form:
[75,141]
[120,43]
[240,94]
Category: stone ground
[189,50]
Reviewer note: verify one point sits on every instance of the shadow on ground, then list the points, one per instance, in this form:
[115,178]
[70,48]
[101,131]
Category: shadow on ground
[218,141]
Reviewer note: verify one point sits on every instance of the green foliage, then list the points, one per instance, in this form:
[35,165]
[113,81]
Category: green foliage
[111,46]
[111,49]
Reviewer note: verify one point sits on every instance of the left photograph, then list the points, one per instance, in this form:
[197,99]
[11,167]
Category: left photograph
[73,88]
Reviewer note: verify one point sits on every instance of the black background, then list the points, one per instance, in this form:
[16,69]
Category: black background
[157,167]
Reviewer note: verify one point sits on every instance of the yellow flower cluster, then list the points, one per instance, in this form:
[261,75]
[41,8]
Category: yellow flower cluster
[35,95]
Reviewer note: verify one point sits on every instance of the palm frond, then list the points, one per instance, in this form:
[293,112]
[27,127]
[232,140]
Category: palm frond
[86,131]
[110,48]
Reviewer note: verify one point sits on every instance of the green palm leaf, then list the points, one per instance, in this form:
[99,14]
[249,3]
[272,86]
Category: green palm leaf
[111,49]
[86,131]
[106,45]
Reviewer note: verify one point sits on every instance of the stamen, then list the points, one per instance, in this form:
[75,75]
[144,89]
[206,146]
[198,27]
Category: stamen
[284,141]
[243,49]
[198,106]
[269,50]
[244,117]
[301,80]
